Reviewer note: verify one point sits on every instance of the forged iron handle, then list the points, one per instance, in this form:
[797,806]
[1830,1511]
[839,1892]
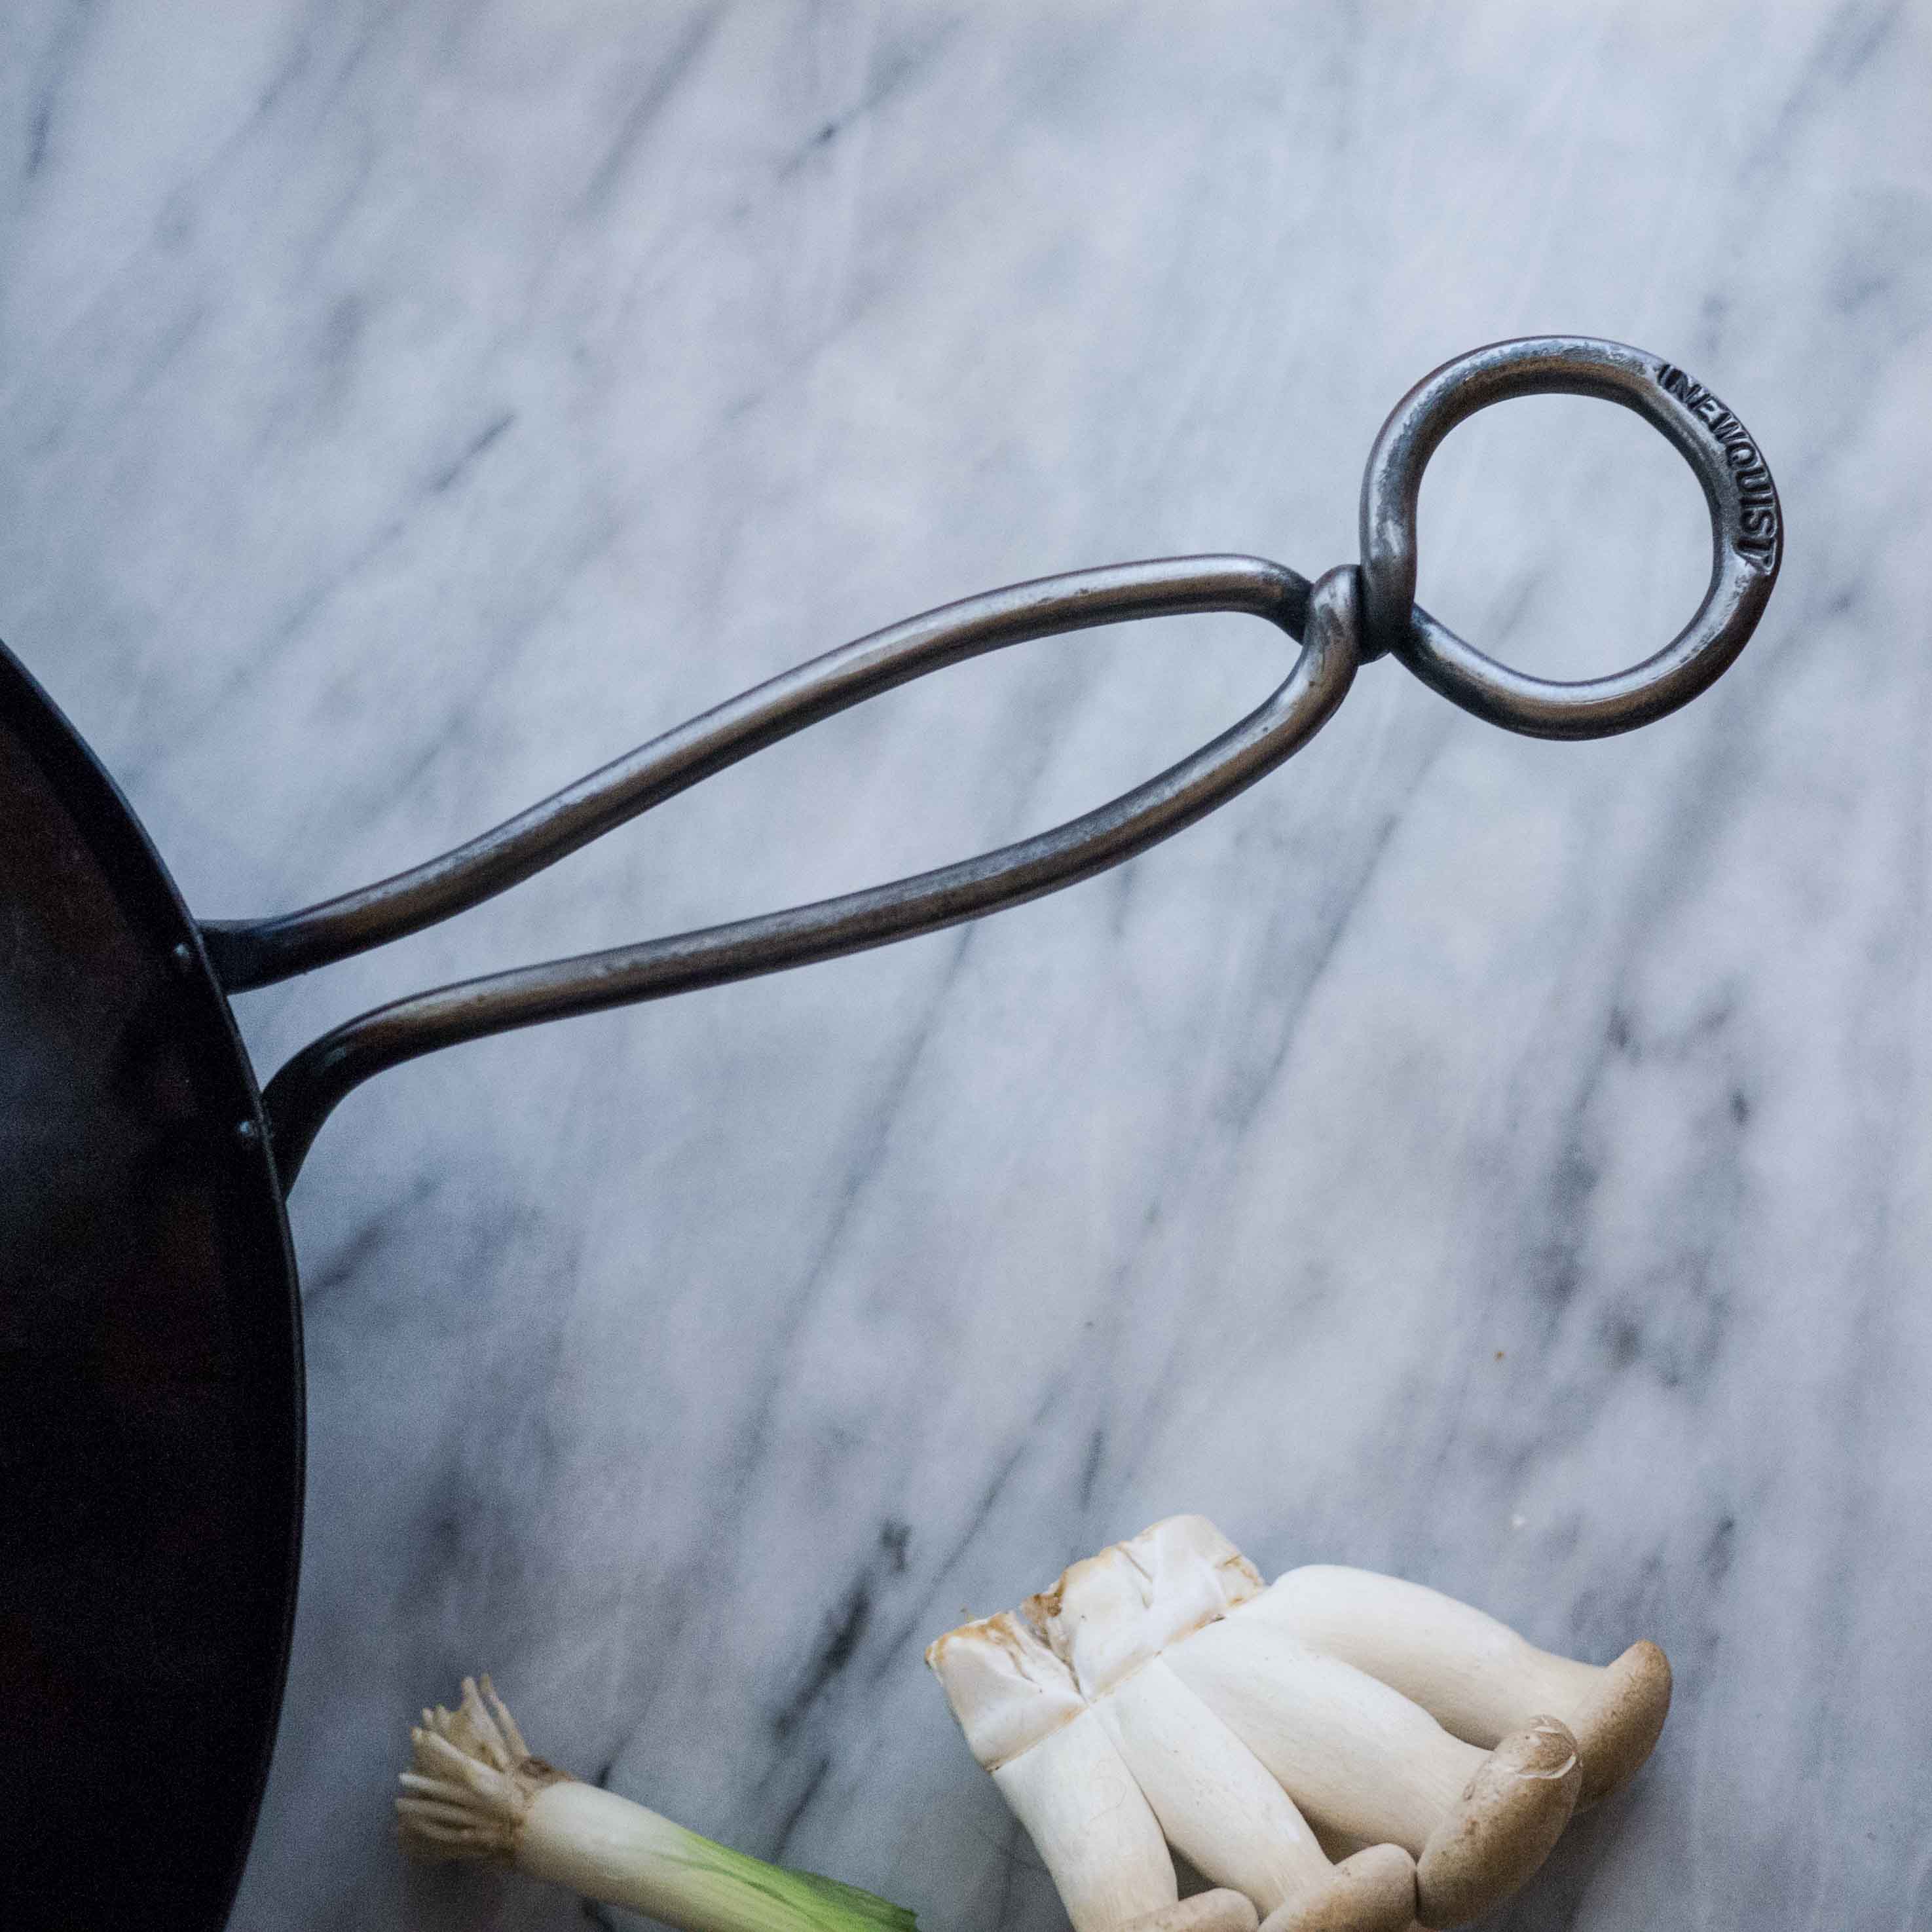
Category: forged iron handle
[258,952]
[302,1094]
[1347,618]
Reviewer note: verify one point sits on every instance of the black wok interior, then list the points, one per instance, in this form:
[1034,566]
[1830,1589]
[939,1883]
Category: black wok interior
[150,1377]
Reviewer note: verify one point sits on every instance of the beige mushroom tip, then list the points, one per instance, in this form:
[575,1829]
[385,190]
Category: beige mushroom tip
[1504,1826]
[1205,1912]
[1619,1727]
[1373,1891]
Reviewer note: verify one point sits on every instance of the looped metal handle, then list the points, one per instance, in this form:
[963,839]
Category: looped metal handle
[300,1096]
[1348,616]
[1747,535]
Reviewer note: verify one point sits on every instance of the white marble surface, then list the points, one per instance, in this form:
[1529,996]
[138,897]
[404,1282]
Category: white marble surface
[1504,1163]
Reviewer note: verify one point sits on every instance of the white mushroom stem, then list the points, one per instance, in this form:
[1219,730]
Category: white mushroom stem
[1355,1756]
[1361,1759]
[474,1791]
[1205,1912]
[1219,1809]
[1092,1826]
[1026,1722]
[1474,1674]
[1216,1804]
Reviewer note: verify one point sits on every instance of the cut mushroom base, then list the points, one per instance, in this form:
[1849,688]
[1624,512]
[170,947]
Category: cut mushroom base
[1396,1719]
[1026,1722]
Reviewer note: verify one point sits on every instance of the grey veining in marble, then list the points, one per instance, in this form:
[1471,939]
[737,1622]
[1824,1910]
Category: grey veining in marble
[1503,1163]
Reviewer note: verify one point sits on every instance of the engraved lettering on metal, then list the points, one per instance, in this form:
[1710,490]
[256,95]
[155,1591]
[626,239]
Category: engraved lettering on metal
[1759,531]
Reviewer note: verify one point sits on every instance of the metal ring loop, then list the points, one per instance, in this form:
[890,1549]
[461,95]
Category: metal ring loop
[1746,535]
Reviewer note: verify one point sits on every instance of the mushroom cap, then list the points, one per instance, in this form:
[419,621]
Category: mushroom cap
[1373,1891]
[1505,1825]
[1619,1727]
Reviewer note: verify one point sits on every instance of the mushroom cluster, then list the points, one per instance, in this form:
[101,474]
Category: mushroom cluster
[1338,1752]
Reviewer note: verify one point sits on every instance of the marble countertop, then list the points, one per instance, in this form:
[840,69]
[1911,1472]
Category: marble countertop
[1503,1163]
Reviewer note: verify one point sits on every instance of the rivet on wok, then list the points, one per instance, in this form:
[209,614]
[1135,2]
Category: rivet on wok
[248,1132]
[181,956]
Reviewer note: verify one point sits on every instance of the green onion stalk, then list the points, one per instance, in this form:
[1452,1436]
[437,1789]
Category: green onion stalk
[474,1790]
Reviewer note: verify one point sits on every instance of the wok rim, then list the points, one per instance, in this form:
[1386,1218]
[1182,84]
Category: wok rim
[141,884]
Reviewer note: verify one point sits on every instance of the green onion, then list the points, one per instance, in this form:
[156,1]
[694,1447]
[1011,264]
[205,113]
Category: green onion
[475,1791]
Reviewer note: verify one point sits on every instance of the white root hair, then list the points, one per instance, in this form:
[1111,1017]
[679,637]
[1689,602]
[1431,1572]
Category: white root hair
[470,1780]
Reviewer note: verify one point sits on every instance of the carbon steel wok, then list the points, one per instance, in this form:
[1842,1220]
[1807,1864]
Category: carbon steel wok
[151,1378]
